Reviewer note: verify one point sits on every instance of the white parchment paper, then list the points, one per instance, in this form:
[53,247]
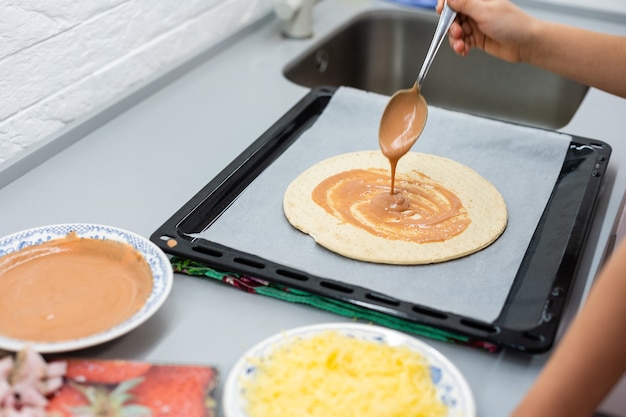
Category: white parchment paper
[523,163]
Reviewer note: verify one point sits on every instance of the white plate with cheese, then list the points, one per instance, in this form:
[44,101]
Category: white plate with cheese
[345,369]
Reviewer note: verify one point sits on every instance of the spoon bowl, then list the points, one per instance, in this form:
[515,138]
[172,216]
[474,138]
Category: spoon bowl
[402,122]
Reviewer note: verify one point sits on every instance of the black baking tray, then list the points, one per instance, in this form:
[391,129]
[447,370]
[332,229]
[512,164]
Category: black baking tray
[529,319]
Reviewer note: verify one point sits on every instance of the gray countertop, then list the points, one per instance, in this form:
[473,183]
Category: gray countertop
[138,168]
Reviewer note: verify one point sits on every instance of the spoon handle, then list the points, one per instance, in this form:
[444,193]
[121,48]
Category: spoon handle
[445,20]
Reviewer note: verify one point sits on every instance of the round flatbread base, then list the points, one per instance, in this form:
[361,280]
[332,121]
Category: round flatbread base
[484,205]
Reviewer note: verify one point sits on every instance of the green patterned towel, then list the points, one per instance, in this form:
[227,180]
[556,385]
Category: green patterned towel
[258,286]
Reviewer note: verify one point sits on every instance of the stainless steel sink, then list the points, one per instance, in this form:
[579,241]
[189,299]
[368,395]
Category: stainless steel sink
[382,51]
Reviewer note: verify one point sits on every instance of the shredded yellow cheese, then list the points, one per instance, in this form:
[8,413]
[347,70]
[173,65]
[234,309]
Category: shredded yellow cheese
[331,374]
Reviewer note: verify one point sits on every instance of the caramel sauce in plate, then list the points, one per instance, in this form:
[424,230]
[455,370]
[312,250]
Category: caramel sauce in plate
[70,288]
[420,211]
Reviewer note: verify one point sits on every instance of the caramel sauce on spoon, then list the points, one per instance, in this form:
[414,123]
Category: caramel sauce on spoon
[402,123]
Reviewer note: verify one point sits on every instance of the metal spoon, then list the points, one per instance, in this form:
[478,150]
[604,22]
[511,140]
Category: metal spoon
[445,20]
[405,115]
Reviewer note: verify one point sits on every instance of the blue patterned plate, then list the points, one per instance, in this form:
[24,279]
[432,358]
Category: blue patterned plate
[452,388]
[159,264]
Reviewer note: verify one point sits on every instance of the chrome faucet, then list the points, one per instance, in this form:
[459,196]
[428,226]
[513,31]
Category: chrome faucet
[296,17]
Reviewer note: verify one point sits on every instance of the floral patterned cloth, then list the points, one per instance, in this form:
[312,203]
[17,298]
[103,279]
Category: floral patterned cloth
[259,286]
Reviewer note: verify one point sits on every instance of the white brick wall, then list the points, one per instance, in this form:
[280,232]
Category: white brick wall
[61,59]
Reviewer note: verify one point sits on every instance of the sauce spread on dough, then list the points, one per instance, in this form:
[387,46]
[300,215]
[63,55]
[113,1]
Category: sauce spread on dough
[70,288]
[420,211]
